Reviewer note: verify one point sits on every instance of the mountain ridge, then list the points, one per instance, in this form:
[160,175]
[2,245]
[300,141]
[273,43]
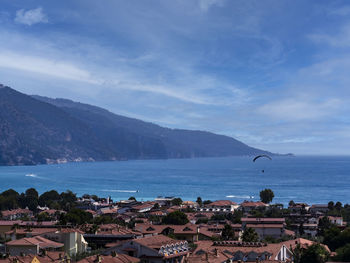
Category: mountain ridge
[42,130]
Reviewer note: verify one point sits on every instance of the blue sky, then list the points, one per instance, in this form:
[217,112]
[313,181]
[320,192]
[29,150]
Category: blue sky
[273,74]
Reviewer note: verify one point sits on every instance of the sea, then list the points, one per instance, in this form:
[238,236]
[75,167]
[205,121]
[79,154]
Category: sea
[310,179]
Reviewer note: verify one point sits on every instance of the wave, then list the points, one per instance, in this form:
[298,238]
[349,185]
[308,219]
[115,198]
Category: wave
[32,175]
[121,191]
[240,196]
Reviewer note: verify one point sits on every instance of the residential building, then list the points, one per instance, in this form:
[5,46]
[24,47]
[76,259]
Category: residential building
[265,227]
[31,245]
[221,206]
[154,249]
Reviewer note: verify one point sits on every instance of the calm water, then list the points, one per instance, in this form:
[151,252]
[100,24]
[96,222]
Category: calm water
[310,179]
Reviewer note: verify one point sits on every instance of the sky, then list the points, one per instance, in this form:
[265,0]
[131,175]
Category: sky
[274,74]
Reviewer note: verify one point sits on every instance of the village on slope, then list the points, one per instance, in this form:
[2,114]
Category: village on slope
[61,227]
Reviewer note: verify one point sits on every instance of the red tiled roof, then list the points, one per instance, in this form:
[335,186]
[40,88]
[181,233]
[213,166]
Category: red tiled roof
[253,204]
[259,219]
[15,212]
[303,243]
[38,241]
[157,229]
[155,241]
[222,203]
[265,225]
[33,231]
[119,258]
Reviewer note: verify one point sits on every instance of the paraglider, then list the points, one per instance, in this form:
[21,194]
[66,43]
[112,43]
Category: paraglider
[262,155]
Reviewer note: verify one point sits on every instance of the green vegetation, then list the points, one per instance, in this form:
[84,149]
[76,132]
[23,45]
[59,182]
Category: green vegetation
[266,196]
[176,201]
[175,218]
[228,233]
[315,253]
[249,235]
[199,201]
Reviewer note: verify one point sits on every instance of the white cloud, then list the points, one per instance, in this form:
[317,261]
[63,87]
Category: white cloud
[53,68]
[339,39]
[300,109]
[31,17]
[205,5]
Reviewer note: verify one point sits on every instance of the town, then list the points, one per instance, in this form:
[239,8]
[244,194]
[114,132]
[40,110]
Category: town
[61,227]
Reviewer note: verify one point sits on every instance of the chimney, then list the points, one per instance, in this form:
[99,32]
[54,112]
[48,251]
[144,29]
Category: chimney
[60,256]
[257,260]
[216,252]
[206,256]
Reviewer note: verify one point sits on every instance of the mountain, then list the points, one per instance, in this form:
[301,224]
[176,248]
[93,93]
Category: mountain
[40,130]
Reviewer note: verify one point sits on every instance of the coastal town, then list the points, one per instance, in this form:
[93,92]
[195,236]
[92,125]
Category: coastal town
[54,227]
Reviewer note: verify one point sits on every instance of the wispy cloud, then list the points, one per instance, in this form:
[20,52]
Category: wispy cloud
[205,5]
[41,65]
[300,109]
[31,17]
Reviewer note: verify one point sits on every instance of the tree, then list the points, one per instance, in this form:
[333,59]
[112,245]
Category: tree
[266,196]
[323,224]
[48,198]
[338,206]
[291,203]
[176,201]
[76,217]
[175,218]
[228,233]
[156,206]
[199,201]
[343,254]
[31,199]
[207,202]
[249,235]
[330,205]
[315,253]
[132,198]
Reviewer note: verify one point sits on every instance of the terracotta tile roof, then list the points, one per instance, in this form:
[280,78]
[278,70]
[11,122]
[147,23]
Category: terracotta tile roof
[15,212]
[303,243]
[157,229]
[119,258]
[144,205]
[253,204]
[157,213]
[265,225]
[289,232]
[38,241]
[9,223]
[155,241]
[260,219]
[114,229]
[222,203]
[27,223]
[58,257]
[206,251]
[33,231]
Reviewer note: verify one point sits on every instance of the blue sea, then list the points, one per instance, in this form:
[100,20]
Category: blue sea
[302,179]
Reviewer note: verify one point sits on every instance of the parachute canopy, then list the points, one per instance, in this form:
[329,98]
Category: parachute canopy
[260,156]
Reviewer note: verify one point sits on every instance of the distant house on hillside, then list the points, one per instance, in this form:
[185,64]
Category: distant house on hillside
[156,249]
[265,227]
[31,245]
[248,206]
[220,206]
[16,214]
